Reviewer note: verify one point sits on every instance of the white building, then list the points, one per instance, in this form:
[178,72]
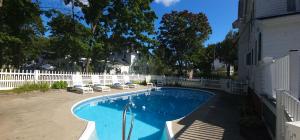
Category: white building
[220,67]
[122,62]
[268,29]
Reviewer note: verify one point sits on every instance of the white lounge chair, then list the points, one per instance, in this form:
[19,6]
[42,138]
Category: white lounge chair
[97,86]
[148,83]
[131,85]
[78,85]
[120,86]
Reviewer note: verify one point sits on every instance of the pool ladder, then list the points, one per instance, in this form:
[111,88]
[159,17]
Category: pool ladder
[126,108]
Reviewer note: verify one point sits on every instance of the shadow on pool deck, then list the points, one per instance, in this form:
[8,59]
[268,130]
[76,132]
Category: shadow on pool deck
[215,120]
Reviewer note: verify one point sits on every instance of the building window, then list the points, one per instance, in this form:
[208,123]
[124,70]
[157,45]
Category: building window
[252,57]
[241,9]
[255,53]
[291,5]
[252,17]
[259,46]
[248,59]
[246,7]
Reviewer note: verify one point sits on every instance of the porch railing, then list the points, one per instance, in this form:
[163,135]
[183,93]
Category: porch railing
[287,113]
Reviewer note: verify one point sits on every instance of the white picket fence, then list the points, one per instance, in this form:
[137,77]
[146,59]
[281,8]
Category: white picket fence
[288,116]
[10,79]
[230,86]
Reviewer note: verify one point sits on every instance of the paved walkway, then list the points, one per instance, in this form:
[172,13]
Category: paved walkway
[216,120]
[43,116]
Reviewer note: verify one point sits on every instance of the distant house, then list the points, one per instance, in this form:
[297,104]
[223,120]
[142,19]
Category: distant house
[122,62]
[220,68]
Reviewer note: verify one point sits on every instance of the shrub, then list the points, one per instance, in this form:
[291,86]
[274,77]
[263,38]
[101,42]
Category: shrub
[136,82]
[143,83]
[59,85]
[32,87]
[43,87]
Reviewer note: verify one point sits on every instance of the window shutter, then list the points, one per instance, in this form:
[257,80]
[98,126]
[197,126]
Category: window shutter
[241,9]
[259,46]
[291,5]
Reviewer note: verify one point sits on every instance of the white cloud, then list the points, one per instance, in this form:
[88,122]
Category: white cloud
[167,3]
[85,2]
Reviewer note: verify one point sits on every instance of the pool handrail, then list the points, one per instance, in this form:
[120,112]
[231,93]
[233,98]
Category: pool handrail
[128,106]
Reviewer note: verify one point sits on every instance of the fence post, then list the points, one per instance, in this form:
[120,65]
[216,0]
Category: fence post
[279,115]
[201,82]
[36,76]
[104,78]
[294,73]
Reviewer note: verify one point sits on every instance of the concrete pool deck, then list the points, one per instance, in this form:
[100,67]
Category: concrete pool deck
[47,116]
[217,119]
[43,116]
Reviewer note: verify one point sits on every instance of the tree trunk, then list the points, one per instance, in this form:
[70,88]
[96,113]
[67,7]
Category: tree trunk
[93,26]
[228,70]
[191,74]
[180,72]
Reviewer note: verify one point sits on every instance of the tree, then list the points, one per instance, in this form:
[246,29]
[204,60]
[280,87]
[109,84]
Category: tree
[118,23]
[203,59]
[66,44]
[20,27]
[227,51]
[182,33]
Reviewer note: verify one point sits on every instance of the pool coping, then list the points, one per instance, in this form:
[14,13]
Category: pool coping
[91,126]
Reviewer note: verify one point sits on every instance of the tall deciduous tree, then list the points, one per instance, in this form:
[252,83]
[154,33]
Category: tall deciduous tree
[65,42]
[227,51]
[182,33]
[203,59]
[118,23]
[20,27]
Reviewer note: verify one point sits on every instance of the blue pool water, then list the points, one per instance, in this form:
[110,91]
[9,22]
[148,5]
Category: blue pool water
[151,111]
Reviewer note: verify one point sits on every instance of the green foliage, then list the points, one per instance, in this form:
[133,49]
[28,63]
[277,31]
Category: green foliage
[227,50]
[68,40]
[181,34]
[32,87]
[117,25]
[143,83]
[203,59]
[114,25]
[20,26]
[59,85]
[136,82]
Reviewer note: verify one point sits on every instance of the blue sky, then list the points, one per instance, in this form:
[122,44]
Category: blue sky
[220,13]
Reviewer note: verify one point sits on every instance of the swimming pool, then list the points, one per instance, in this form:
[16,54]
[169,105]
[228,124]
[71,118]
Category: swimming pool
[151,110]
